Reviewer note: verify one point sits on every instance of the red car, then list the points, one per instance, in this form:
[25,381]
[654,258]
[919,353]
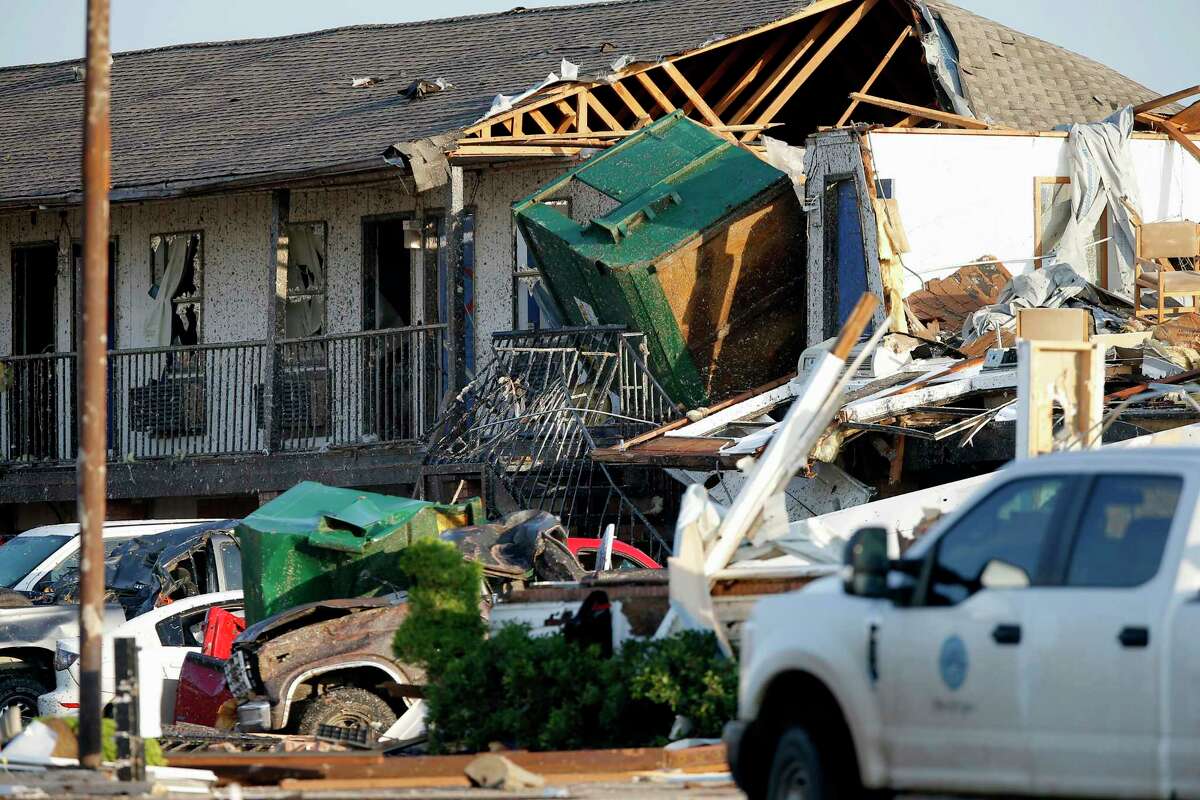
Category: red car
[625,556]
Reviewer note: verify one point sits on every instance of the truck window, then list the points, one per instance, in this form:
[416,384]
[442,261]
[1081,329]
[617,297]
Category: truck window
[1123,530]
[1010,527]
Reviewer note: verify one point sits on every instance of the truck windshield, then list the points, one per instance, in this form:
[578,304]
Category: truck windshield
[21,555]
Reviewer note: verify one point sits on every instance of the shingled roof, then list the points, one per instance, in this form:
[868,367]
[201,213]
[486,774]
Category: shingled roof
[1020,81]
[195,115]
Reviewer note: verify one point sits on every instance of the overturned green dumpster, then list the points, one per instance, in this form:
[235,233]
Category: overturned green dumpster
[694,241]
[317,542]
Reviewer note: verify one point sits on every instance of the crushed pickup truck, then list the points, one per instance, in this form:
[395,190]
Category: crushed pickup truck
[330,662]
[140,574]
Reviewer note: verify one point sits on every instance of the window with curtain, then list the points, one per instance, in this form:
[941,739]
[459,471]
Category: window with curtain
[177,286]
[304,313]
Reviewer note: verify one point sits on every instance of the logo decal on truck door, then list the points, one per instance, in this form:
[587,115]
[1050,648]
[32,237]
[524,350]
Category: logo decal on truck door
[952,662]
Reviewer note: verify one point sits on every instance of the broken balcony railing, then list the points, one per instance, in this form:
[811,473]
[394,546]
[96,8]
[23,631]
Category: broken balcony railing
[532,416]
[353,389]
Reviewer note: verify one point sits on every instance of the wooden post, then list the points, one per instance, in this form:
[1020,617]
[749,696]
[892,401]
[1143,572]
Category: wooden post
[456,322]
[131,750]
[93,399]
[277,267]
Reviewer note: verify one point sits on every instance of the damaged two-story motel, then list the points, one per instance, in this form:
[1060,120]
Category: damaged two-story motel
[313,241]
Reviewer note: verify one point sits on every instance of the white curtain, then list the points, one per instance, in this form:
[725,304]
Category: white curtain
[306,272]
[158,321]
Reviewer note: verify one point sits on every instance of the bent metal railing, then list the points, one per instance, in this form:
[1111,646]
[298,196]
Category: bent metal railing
[345,390]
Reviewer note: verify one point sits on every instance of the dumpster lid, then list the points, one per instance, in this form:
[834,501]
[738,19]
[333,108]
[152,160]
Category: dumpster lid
[335,518]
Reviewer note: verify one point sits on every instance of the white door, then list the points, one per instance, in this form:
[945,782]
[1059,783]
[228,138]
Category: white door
[1183,701]
[1096,643]
[950,662]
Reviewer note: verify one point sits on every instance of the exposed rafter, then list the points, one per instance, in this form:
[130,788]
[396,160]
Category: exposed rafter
[738,90]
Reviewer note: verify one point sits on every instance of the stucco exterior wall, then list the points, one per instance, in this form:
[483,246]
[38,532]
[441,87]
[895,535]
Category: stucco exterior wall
[236,250]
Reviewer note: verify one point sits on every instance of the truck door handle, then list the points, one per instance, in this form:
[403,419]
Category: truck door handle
[1006,634]
[1134,636]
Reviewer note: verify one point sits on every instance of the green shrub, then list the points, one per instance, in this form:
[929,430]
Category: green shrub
[544,693]
[443,621]
[688,674]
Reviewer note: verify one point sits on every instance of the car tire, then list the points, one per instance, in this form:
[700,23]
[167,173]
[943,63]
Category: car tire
[346,707]
[23,690]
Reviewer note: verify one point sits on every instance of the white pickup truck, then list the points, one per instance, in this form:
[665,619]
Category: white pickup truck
[1041,640]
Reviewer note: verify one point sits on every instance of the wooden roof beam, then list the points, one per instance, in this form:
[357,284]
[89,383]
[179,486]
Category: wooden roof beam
[603,113]
[1166,99]
[1172,130]
[760,63]
[870,81]
[660,99]
[848,24]
[694,97]
[944,117]
[631,102]
[783,68]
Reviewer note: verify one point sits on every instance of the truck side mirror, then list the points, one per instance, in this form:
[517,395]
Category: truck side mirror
[867,563]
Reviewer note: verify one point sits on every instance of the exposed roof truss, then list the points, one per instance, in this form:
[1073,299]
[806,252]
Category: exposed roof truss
[798,73]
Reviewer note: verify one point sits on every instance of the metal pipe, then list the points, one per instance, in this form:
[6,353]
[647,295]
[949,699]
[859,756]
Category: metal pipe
[97,152]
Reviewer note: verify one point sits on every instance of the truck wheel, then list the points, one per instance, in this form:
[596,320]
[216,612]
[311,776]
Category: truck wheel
[346,707]
[22,690]
[796,772]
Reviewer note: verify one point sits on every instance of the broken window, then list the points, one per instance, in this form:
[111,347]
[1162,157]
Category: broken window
[176,272]
[534,309]
[1052,197]
[304,314]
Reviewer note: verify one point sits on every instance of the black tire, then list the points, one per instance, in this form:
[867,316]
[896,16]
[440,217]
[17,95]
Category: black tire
[21,689]
[346,707]
[796,771]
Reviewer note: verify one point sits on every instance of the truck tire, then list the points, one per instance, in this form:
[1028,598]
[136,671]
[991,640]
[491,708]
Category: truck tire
[21,689]
[346,707]
[796,771]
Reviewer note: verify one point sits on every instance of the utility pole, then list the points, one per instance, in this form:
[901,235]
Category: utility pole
[93,444]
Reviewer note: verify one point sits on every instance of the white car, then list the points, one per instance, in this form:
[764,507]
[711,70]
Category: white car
[164,638]
[51,550]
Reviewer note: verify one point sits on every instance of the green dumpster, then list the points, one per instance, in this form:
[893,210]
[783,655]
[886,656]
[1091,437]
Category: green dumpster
[696,242]
[317,542]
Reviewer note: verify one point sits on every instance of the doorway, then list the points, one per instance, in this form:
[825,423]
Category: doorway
[388,247]
[32,432]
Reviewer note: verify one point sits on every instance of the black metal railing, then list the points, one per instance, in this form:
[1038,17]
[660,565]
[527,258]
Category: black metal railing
[353,389]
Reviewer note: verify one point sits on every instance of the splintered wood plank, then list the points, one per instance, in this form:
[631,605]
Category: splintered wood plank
[817,59]
[874,76]
[781,70]
[944,117]
[650,86]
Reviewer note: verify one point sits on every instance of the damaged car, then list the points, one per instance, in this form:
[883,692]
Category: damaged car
[330,663]
[141,573]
